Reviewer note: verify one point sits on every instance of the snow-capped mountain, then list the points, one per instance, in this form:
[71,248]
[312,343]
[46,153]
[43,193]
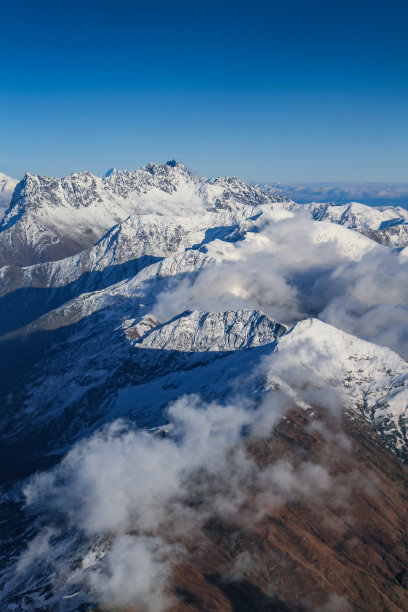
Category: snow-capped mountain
[386,225]
[7,186]
[138,242]
[49,218]
[247,350]
[368,381]
[375,380]
[138,239]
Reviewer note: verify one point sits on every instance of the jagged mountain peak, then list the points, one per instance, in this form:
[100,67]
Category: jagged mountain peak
[170,167]
[196,331]
[51,218]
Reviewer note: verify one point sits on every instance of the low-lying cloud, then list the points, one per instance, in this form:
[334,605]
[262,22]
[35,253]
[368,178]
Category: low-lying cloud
[146,495]
[290,272]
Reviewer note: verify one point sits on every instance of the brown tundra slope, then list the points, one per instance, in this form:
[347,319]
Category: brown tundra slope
[345,548]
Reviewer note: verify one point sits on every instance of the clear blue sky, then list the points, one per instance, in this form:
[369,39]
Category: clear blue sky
[289,91]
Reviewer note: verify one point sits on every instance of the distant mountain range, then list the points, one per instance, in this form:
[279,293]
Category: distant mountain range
[204,395]
[370,193]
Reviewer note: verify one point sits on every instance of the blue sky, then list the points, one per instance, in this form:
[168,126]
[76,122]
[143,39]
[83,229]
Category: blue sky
[282,91]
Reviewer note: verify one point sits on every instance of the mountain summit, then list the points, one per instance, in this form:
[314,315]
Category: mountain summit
[50,218]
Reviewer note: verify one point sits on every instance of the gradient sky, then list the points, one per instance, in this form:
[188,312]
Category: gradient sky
[289,91]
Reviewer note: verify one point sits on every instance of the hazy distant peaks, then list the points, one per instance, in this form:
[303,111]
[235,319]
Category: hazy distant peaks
[372,193]
[4,178]
[7,185]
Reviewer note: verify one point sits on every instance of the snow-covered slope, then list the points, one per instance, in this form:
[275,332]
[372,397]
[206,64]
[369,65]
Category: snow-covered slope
[122,299]
[7,186]
[77,384]
[26,293]
[136,239]
[52,218]
[386,225]
[140,237]
[373,379]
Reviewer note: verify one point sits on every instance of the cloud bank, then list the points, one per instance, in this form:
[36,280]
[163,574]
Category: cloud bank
[296,268]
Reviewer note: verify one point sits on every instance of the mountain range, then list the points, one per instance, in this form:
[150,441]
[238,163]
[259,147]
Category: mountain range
[204,395]
[370,193]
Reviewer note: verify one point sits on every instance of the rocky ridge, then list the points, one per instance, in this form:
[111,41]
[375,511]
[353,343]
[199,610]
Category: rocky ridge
[49,219]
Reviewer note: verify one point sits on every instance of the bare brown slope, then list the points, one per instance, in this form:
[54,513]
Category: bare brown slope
[346,550]
[343,549]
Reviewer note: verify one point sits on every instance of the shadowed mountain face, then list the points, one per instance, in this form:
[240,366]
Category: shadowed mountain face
[204,395]
[25,304]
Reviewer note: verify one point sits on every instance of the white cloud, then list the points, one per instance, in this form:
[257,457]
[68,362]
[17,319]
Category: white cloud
[298,268]
[38,548]
[147,494]
[136,570]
